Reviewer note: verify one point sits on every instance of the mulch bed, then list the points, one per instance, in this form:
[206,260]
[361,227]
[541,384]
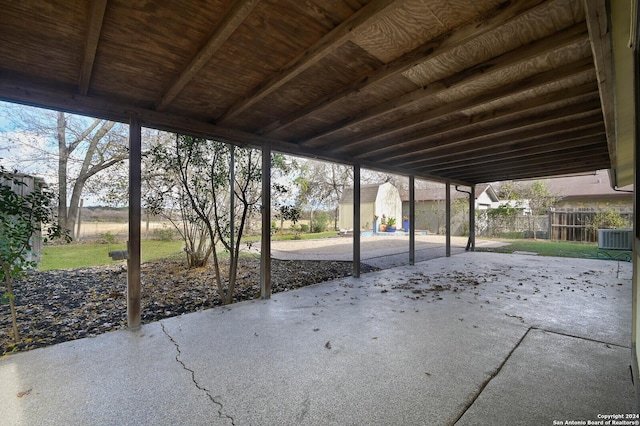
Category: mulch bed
[62,305]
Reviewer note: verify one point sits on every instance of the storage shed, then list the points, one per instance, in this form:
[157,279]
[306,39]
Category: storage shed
[378,200]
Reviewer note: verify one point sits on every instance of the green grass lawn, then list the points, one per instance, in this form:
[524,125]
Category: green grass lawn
[80,255]
[554,248]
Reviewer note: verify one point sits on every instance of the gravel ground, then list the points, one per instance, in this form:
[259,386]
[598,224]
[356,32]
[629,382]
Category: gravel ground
[57,306]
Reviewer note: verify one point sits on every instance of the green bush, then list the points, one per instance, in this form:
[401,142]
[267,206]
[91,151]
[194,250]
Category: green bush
[163,234]
[304,228]
[108,237]
[320,222]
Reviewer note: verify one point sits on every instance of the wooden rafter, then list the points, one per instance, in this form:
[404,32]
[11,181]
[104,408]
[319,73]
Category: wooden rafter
[233,18]
[482,70]
[548,134]
[506,129]
[515,151]
[439,46]
[323,47]
[418,120]
[546,167]
[398,150]
[96,18]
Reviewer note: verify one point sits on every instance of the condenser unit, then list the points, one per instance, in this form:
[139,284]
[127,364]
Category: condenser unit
[615,239]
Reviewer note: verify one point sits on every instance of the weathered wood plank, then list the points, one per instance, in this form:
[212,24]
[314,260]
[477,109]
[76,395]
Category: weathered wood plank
[476,133]
[404,125]
[310,57]
[427,51]
[473,73]
[517,111]
[235,15]
[96,17]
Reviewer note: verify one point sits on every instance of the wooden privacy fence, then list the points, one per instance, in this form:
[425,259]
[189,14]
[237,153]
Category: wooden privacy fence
[576,225]
[556,225]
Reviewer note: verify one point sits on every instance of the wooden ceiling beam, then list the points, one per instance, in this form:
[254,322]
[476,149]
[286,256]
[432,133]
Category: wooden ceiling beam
[546,174]
[433,48]
[96,17]
[501,129]
[534,171]
[520,151]
[500,63]
[44,94]
[553,133]
[323,47]
[419,137]
[557,160]
[515,151]
[592,163]
[362,140]
[232,19]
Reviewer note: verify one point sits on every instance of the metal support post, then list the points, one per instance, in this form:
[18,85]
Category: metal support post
[356,221]
[412,220]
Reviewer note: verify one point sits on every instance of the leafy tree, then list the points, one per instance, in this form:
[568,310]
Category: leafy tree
[200,168]
[536,195]
[79,148]
[608,219]
[541,199]
[320,186]
[23,212]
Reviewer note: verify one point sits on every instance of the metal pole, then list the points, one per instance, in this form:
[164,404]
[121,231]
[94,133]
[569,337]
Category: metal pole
[447,209]
[412,220]
[135,216]
[265,242]
[356,221]
[472,218]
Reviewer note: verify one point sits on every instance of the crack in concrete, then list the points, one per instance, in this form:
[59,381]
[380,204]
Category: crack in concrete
[193,376]
[504,361]
[560,333]
[491,377]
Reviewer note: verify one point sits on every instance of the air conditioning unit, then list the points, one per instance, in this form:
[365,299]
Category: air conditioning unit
[615,239]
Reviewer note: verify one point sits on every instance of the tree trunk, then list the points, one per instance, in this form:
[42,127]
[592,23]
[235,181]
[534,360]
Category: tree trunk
[86,171]
[12,306]
[63,158]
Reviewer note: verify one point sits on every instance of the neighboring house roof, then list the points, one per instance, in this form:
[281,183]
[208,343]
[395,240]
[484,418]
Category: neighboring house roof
[585,186]
[437,193]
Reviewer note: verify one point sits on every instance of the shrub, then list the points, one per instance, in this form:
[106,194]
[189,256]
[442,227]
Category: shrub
[163,234]
[108,237]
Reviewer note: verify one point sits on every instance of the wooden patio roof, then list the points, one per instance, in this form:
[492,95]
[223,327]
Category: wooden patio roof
[467,91]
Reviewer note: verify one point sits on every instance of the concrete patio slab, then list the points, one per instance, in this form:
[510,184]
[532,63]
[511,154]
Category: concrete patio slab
[478,338]
[381,251]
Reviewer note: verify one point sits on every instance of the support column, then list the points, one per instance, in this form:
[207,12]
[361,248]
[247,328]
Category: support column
[412,220]
[471,244]
[265,242]
[232,197]
[135,216]
[356,221]
[447,218]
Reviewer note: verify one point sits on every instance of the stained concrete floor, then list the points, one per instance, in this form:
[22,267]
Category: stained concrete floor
[475,339]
